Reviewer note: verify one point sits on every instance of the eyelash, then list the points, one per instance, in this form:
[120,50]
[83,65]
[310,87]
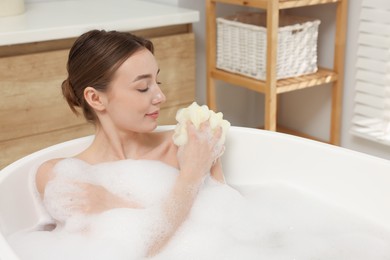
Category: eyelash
[147,88]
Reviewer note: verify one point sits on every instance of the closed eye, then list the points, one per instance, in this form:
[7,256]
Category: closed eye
[143,90]
[147,88]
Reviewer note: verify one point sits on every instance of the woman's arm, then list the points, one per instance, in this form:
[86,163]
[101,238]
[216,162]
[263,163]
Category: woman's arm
[195,161]
[175,209]
[45,174]
[74,197]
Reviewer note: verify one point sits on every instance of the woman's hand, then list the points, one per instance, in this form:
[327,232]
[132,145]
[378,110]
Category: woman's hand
[94,199]
[197,156]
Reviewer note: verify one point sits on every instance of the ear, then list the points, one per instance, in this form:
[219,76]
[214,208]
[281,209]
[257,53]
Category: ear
[95,98]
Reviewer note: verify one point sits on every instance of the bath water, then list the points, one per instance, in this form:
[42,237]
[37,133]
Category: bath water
[268,221]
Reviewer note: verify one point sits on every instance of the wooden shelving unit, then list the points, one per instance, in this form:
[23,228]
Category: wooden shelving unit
[272,87]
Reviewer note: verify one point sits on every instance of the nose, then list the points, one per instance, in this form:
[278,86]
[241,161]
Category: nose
[159,97]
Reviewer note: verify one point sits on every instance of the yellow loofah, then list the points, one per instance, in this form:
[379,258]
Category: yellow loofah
[197,115]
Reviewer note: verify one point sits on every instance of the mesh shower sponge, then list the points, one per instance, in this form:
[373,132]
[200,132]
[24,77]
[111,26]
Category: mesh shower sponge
[197,115]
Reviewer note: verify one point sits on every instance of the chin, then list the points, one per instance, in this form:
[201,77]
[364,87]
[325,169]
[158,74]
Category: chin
[149,127]
[144,126]
[154,127]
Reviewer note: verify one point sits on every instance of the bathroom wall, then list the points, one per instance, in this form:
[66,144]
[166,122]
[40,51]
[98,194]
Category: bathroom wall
[305,110]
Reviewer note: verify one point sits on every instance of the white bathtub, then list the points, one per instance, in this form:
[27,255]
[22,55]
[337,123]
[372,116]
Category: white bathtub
[357,182]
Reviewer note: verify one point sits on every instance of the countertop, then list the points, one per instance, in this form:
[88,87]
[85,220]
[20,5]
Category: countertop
[44,21]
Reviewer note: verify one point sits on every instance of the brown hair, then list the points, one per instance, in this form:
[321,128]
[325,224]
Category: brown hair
[93,60]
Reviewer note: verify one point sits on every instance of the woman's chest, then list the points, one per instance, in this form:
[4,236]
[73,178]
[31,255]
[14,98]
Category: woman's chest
[144,181]
[141,181]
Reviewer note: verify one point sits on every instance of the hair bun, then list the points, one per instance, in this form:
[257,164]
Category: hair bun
[70,96]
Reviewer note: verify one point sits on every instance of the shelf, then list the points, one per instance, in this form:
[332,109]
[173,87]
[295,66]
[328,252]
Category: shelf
[283,4]
[322,76]
[271,87]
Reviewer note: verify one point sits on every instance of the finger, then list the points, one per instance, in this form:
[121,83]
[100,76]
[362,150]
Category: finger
[218,133]
[191,131]
[204,126]
[190,126]
[222,150]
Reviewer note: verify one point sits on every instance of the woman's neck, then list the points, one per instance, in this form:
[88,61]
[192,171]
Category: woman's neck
[153,146]
[113,145]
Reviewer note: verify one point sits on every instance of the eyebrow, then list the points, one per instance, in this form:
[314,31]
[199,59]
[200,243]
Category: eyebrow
[144,76]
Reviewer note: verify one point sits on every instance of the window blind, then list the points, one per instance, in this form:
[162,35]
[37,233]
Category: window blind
[372,99]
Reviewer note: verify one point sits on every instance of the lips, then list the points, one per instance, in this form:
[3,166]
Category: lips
[153,115]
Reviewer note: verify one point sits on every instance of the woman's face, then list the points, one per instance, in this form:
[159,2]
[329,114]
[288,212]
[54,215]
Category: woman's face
[134,96]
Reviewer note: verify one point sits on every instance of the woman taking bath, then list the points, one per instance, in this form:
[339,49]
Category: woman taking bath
[133,193]
[113,79]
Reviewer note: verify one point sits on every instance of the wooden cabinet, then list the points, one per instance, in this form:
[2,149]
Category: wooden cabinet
[272,87]
[33,113]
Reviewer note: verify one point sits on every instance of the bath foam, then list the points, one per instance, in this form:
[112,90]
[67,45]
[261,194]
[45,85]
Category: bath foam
[127,233]
[116,177]
[271,221]
[298,225]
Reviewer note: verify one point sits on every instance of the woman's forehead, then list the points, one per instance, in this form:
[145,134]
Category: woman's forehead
[141,62]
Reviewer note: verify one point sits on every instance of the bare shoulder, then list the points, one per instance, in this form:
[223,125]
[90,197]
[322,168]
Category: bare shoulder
[167,137]
[45,174]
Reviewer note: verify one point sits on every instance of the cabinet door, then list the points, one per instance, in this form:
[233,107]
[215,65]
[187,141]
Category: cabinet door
[34,115]
[176,58]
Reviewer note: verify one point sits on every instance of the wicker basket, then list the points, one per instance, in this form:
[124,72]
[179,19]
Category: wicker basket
[242,45]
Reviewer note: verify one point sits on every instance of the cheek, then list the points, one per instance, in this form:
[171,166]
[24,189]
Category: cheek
[124,109]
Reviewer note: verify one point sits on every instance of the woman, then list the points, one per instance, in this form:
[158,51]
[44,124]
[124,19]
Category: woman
[113,79]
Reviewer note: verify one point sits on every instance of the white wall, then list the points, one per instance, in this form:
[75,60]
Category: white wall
[305,110]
